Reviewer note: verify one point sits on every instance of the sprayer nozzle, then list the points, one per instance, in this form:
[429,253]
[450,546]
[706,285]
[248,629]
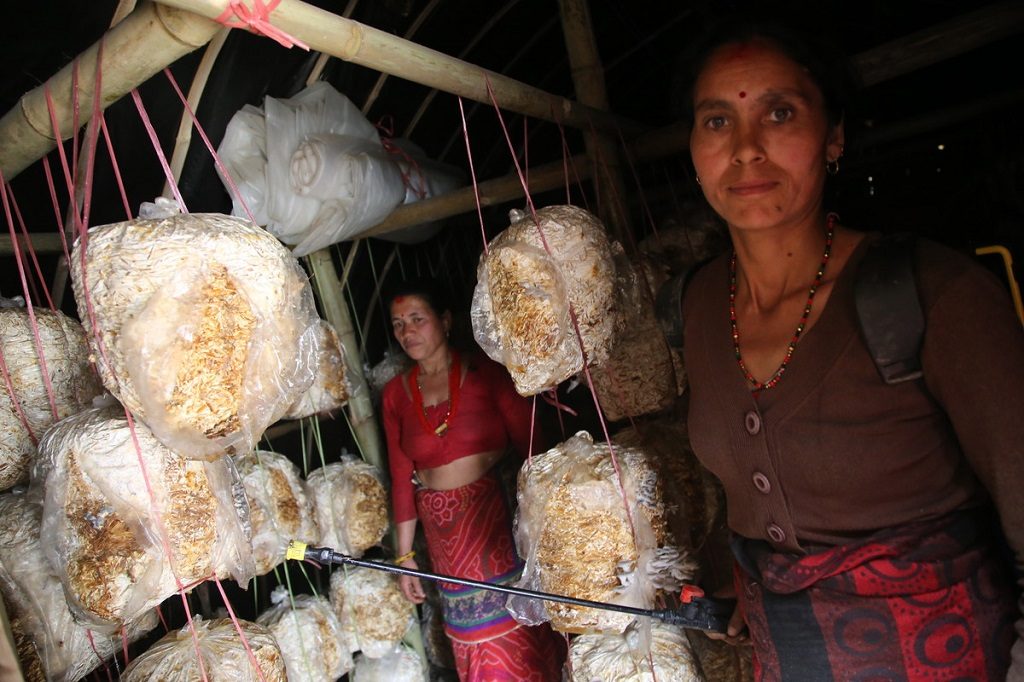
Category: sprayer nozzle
[296,550]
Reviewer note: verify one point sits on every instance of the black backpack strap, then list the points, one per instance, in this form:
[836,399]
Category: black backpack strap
[888,307]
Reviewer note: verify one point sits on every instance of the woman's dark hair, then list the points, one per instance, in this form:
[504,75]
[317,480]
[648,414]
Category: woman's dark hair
[424,287]
[827,67]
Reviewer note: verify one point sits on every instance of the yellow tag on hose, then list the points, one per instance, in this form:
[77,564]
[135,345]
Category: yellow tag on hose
[296,550]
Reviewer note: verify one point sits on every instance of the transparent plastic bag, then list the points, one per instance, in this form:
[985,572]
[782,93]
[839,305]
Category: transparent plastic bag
[224,657]
[309,635]
[638,376]
[74,382]
[36,605]
[646,652]
[280,506]
[400,664]
[100,526]
[205,327]
[577,539]
[373,612]
[520,310]
[330,388]
[351,505]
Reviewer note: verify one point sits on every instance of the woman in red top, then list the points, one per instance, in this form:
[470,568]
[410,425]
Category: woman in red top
[448,421]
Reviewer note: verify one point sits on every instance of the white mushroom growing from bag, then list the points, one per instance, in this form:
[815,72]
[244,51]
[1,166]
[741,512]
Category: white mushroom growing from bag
[309,635]
[280,506]
[202,325]
[649,653]
[574,532]
[51,644]
[107,528]
[329,390]
[373,613]
[65,354]
[223,654]
[521,304]
[351,505]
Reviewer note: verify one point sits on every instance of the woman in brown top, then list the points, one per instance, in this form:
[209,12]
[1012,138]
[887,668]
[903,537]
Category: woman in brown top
[861,511]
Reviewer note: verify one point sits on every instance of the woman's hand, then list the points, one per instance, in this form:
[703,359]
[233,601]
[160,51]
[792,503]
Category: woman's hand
[736,632]
[411,587]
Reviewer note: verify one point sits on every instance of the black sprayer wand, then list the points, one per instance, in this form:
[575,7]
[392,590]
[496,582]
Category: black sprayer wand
[695,611]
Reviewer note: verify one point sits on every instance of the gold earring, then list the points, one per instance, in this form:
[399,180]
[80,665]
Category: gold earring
[698,178]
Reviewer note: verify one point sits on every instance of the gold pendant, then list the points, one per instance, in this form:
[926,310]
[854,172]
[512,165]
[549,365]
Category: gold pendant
[442,429]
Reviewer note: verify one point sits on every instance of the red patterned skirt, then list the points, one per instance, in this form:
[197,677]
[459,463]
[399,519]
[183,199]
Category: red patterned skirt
[927,601]
[469,535]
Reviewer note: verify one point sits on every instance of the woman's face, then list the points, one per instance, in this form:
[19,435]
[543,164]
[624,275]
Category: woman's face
[761,137]
[418,328]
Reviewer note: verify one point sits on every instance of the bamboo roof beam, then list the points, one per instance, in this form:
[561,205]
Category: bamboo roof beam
[602,147]
[142,44]
[649,147]
[939,42]
[358,43]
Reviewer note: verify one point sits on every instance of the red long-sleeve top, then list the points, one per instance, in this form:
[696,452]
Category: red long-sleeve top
[489,416]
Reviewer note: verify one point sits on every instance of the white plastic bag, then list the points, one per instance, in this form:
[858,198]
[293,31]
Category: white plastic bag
[373,612]
[313,170]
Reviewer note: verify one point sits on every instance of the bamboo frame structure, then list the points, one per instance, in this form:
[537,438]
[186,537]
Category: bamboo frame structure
[367,46]
[145,42]
[588,80]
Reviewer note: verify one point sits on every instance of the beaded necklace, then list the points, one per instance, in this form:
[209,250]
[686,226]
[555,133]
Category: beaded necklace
[454,377]
[774,379]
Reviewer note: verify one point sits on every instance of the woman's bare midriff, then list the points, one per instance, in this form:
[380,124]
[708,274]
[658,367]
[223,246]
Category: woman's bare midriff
[462,471]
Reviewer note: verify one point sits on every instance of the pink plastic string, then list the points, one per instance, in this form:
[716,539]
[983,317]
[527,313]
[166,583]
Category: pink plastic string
[41,356]
[636,179]
[83,237]
[52,109]
[31,249]
[158,149]
[213,152]
[386,130]
[56,209]
[572,315]
[238,628]
[92,645]
[472,174]
[14,399]
[117,169]
[75,117]
[257,20]
[90,142]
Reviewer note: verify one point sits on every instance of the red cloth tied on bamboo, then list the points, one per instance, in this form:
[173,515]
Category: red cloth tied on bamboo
[469,535]
[927,601]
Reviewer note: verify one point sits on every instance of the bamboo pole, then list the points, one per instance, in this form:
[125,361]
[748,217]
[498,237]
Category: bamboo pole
[195,93]
[588,80]
[364,45]
[328,288]
[146,41]
[659,144]
[667,141]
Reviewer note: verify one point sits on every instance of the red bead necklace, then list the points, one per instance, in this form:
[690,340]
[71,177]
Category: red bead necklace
[454,378]
[774,379]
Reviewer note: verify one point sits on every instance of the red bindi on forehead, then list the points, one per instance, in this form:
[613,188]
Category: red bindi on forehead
[742,94]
